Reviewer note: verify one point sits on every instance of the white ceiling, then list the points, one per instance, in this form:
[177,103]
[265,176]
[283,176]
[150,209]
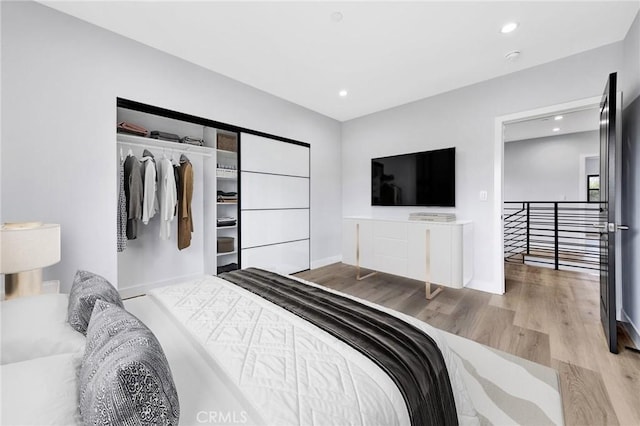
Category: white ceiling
[571,122]
[384,53]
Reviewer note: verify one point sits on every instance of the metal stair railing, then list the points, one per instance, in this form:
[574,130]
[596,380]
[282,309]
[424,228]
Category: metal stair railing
[558,234]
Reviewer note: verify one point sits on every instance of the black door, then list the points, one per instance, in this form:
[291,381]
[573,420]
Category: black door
[608,218]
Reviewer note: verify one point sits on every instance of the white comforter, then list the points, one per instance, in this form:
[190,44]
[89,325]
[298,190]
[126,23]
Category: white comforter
[289,371]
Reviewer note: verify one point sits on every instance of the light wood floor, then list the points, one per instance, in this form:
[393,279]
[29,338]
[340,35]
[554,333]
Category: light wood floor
[550,317]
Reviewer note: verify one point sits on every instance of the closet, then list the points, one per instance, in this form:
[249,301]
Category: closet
[250,203]
[275,208]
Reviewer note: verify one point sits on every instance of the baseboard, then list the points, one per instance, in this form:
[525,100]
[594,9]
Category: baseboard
[142,289]
[631,328]
[326,261]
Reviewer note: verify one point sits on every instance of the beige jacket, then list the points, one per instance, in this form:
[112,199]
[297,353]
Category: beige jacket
[185,220]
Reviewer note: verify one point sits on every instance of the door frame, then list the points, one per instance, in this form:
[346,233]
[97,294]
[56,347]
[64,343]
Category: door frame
[498,172]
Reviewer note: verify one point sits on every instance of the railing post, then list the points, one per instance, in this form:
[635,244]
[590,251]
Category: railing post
[555,232]
[528,228]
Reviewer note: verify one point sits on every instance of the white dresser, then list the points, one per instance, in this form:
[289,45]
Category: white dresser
[435,252]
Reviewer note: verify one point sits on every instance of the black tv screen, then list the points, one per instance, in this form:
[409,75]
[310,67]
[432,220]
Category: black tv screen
[418,179]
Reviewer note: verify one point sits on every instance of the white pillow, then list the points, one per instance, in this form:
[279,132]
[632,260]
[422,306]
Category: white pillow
[41,391]
[37,326]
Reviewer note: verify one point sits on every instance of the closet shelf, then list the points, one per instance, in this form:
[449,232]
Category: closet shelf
[150,143]
[232,204]
[227,227]
[227,253]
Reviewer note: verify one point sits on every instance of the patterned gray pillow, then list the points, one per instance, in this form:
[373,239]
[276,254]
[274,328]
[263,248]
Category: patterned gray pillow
[125,378]
[86,288]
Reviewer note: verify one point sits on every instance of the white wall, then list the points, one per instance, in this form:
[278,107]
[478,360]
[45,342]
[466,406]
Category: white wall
[630,74]
[592,165]
[60,80]
[464,118]
[631,181]
[548,169]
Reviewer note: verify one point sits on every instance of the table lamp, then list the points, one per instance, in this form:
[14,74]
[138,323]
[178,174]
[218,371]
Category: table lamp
[26,248]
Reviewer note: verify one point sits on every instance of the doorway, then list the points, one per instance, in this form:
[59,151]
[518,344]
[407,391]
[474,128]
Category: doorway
[500,125]
[548,164]
[498,184]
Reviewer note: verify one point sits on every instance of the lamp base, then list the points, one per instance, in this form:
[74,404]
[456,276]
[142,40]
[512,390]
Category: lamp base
[27,283]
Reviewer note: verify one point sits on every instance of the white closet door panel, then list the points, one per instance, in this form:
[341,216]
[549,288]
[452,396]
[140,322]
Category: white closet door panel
[285,258]
[261,191]
[262,227]
[266,155]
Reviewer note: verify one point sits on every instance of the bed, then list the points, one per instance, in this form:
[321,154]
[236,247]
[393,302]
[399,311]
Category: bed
[237,358]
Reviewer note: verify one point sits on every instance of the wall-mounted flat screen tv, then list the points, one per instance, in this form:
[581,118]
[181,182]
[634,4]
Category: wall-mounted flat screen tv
[418,179]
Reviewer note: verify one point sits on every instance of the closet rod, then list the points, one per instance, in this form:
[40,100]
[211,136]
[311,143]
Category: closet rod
[184,150]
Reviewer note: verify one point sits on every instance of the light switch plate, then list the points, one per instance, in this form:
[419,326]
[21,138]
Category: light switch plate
[483,195]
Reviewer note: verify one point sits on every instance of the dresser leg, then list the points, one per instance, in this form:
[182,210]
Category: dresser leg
[359,278]
[431,294]
[427,284]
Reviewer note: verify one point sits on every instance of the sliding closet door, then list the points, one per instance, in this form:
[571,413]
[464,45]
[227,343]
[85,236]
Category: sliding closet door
[274,200]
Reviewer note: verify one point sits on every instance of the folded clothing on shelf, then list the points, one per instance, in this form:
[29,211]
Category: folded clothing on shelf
[227,197]
[226,224]
[134,129]
[192,141]
[227,268]
[225,221]
[165,136]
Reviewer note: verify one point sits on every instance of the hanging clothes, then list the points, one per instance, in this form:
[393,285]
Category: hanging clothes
[176,175]
[185,220]
[149,180]
[168,196]
[122,210]
[133,192]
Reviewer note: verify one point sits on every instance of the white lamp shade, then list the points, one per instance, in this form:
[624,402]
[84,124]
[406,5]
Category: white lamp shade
[29,246]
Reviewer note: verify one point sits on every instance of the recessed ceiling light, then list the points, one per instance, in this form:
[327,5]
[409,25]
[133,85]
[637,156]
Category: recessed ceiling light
[512,56]
[558,117]
[336,16]
[509,27]
[556,129]
[342,93]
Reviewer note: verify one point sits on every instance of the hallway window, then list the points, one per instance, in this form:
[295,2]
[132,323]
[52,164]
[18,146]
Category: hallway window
[593,188]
